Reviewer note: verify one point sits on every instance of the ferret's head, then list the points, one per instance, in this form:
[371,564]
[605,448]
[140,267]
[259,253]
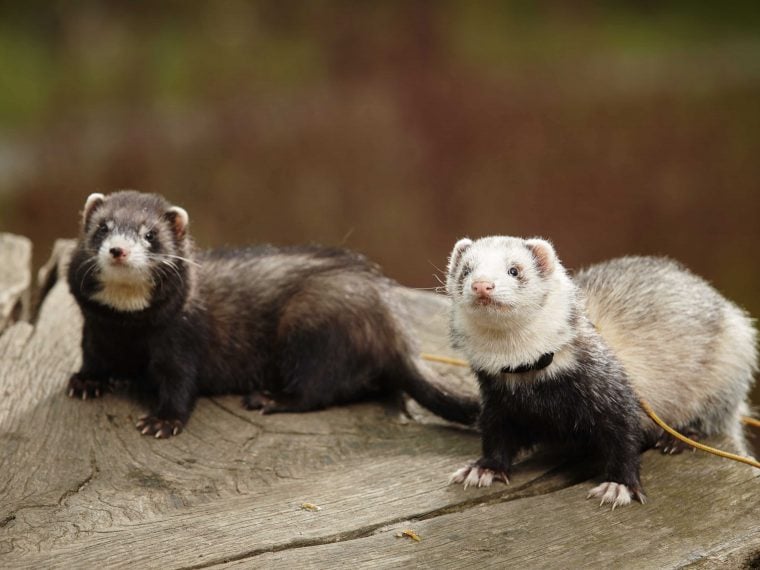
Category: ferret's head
[503,276]
[132,241]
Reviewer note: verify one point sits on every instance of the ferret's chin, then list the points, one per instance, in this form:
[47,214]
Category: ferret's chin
[480,305]
[123,273]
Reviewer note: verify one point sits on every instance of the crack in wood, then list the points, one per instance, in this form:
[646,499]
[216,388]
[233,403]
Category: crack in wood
[95,470]
[13,515]
[557,479]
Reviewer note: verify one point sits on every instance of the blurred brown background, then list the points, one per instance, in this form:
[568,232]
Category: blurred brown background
[396,127]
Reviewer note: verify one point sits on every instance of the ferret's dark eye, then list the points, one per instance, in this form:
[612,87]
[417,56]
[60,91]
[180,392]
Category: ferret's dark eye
[466,270]
[513,271]
[103,228]
[150,236]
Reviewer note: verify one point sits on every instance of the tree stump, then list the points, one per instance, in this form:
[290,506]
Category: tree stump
[81,488]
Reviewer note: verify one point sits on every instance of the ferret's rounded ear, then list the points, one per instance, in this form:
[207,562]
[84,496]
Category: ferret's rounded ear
[178,219]
[456,254]
[94,201]
[543,252]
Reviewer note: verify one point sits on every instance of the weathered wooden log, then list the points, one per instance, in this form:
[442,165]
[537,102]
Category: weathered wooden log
[80,487]
[15,278]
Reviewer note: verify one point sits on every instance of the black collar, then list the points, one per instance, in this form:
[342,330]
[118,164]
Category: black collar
[540,364]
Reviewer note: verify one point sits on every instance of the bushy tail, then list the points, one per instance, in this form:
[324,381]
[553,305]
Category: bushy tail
[417,379]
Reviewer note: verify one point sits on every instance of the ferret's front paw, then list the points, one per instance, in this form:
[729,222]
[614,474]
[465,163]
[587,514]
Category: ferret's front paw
[616,494]
[474,475]
[83,388]
[158,428]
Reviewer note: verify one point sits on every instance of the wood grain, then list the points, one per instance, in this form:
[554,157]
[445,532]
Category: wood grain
[80,487]
[702,511]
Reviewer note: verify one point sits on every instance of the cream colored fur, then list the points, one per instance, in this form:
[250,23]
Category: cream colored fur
[125,287]
[687,350]
[523,323]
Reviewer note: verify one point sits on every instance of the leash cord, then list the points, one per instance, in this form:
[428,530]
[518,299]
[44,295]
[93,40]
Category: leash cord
[649,411]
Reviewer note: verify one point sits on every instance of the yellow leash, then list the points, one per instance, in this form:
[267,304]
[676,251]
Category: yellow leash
[720,453]
[649,411]
[751,421]
[444,359]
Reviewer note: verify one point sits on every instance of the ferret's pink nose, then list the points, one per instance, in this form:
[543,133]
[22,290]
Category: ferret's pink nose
[483,288]
[118,252]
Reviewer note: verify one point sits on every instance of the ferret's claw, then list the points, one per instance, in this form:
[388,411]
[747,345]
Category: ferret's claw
[159,428]
[83,388]
[615,494]
[474,475]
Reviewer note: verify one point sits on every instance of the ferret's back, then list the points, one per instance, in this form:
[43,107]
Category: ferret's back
[682,343]
[263,267]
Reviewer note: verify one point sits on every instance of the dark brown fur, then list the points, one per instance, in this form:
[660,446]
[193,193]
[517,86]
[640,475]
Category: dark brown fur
[293,329]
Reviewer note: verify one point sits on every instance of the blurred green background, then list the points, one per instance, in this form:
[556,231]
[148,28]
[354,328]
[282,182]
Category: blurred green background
[396,127]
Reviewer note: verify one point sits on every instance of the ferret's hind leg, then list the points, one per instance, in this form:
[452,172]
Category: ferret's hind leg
[269,404]
[669,445]
[257,400]
[285,406]
[323,362]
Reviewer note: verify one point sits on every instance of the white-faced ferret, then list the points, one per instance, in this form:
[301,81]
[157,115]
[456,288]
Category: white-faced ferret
[561,360]
[292,329]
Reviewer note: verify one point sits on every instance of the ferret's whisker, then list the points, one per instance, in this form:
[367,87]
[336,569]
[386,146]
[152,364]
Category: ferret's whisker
[345,237]
[185,259]
[160,256]
[92,262]
[438,269]
[172,266]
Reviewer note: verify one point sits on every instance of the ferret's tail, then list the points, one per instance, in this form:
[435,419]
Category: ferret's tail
[418,380]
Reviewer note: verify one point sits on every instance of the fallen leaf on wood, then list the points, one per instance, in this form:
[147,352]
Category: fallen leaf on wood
[410,534]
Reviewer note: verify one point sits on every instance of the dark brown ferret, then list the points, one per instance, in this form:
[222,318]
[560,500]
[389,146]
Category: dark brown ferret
[292,329]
